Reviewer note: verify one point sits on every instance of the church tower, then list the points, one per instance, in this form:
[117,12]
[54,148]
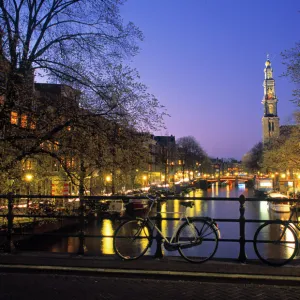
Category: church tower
[270,120]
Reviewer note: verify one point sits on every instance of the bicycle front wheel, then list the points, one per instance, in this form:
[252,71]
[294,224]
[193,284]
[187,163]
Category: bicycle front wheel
[199,241]
[275,243]
[132,239]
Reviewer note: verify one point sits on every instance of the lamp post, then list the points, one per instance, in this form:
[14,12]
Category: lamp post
[28,179]
[144,181]
[107,180]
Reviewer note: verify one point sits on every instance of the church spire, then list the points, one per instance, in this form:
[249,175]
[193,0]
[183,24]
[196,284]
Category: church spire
[270,120]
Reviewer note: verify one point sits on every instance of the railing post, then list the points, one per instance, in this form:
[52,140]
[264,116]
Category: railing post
[10,218]
[242,255]
[158,252]
[81,222]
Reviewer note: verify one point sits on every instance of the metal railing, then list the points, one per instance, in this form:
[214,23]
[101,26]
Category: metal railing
[19,212]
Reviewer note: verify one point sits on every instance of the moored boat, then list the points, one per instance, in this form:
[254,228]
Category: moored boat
[263,186]
[279,206]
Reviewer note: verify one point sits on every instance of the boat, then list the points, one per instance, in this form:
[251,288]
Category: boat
[263,186]
[139,204]
[135,202]
[223,183]
[282,206]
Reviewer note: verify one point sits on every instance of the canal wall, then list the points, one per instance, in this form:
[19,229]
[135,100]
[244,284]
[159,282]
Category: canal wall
[26,231]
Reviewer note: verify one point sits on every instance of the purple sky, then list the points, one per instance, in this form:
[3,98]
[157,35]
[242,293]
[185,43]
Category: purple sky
[204,61]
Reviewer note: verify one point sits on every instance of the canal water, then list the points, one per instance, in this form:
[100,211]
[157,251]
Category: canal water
[216,209]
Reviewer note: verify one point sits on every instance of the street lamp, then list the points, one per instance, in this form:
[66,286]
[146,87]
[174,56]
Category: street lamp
[107,179]
[28,179]
[144,180]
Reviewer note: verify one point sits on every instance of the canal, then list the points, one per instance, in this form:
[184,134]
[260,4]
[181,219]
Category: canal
[220,209]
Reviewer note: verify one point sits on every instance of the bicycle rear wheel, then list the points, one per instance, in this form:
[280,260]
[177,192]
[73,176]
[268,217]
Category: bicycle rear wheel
[206,243]
[132,239]
[275,243]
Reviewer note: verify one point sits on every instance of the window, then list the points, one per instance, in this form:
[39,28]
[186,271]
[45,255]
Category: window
[23,121]
[55,165]
[14,118]
[55,146]
[70,162]
[27,164]
[271,109]
[32,124]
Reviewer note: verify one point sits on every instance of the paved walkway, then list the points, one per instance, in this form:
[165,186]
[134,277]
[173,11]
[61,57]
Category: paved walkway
[148,265]
[65,276]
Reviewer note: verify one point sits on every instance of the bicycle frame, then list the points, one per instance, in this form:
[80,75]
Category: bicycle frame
[295,212]
[287,224]
[290,221]
[182,219]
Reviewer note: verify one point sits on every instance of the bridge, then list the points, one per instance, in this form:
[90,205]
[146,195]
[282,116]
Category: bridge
[239,277]
[205,182]
[47,216]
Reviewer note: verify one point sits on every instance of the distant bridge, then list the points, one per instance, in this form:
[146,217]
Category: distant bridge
[228,178]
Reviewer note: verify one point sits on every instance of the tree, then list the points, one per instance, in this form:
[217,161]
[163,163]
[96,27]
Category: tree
[82,45]
[190,153]
[291,59]
[283,153]
[253,159]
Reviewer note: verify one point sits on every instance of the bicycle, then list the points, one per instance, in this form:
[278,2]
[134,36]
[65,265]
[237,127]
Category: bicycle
[134,237]
[276,242]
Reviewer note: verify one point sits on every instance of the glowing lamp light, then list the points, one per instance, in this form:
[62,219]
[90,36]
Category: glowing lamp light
[108,178]
[28,177]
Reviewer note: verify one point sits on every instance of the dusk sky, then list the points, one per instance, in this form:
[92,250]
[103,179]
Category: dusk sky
[204,61]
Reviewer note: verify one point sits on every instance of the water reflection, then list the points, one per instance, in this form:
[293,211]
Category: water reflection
[221,209]
[107,243]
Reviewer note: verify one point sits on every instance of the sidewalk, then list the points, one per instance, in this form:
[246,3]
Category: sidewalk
[170,267]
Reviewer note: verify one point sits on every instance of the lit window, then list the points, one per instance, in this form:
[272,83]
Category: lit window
[23,121]
[1,99]
[27,165]
[14,118]
[55,165]
[55,146]
[73,164]
[32,124]
[70,162]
